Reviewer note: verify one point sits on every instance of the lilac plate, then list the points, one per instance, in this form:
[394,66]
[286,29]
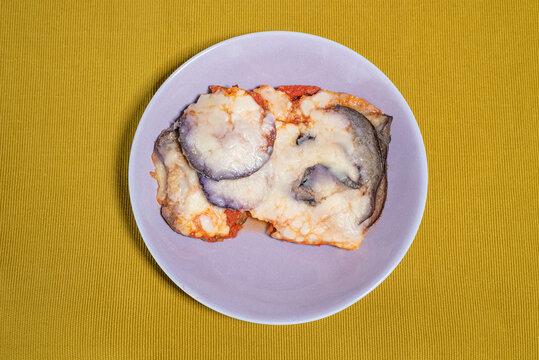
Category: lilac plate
[253,277]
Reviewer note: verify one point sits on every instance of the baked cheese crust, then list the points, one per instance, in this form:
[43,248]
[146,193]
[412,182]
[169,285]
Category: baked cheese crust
[324,183]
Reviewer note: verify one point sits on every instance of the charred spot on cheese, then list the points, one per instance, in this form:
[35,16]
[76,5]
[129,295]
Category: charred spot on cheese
[304,137]
[238,194]
[226,134]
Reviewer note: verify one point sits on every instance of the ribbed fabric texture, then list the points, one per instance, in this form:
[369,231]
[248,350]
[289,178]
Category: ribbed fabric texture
[77,282]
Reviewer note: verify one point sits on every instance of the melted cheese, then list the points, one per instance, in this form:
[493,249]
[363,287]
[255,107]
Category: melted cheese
[336,219]
[326,98]
[279,104]
[229,131]
[229,126]
[184,205]
[243,193]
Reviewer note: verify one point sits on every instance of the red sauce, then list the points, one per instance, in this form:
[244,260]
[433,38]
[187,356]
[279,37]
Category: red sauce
[235,220]
[297,91]
[259,99]
[216,88]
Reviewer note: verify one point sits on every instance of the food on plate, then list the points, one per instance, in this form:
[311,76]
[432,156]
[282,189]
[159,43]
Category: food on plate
[330,166]
[238,194]
[183,205]
[309,162]
[226,134]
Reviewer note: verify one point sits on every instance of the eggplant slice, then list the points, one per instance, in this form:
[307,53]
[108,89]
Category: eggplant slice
[238,194]
[323,180]
[226,134]
[384,138]
[319,182]
[183,205]
[367,155]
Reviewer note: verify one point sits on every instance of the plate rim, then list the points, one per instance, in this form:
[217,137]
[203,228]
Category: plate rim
[361,294]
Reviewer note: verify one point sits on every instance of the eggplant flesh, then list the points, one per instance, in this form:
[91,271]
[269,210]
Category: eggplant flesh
[366,155]
[384,138]
[319,182]
[226,134]
[248,161]
[238,194]
[369,152]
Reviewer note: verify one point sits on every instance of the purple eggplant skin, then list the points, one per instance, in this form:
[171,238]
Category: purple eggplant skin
[384,138]
[217,198]
[303,189]
[194,157]
[189,151]
[367,155]
[166,136]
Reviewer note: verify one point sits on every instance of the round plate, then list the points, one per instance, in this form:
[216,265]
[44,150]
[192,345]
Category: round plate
[254,277]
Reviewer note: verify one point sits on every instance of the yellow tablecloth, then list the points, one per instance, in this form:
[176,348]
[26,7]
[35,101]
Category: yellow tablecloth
[76,280]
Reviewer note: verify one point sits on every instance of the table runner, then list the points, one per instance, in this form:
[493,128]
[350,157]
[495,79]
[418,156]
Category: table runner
[75,276]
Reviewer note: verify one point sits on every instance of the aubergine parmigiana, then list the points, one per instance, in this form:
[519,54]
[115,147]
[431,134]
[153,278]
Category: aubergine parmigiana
[309,162]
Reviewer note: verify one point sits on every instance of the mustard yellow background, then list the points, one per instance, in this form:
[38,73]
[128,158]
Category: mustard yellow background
[76,280]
